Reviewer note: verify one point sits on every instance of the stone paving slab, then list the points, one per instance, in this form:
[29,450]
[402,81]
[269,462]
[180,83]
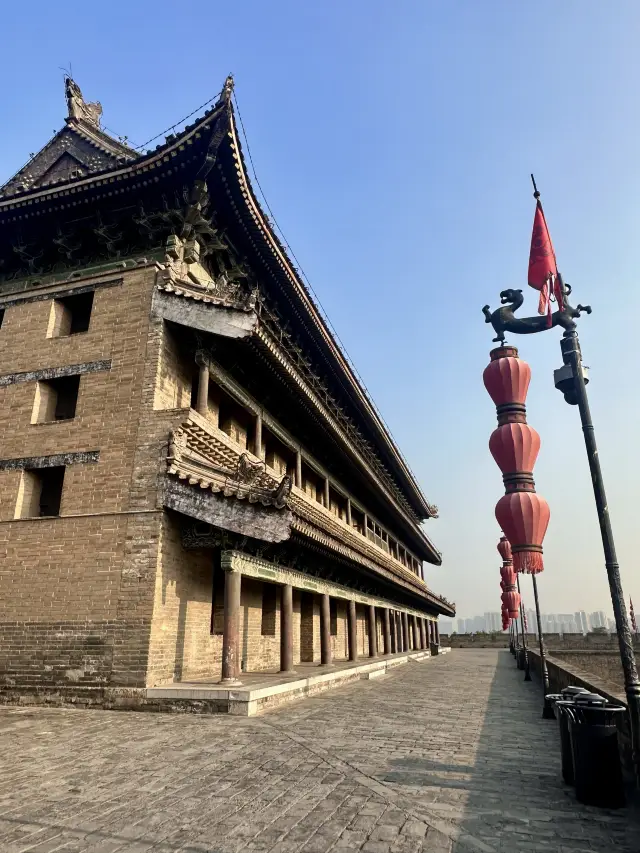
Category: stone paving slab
[448,757]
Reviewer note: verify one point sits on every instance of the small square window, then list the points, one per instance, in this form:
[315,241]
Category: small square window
[40,492]
[70,315]
[56,399]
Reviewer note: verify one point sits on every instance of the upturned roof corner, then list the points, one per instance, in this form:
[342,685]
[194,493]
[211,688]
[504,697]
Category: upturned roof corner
[80,148]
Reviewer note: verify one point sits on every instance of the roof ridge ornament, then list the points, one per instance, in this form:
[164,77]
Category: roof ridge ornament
[227,89]
[78,108]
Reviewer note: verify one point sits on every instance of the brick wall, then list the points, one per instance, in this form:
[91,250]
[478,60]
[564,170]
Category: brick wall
[603,664]
[340,641]
[181,644]
[78,590]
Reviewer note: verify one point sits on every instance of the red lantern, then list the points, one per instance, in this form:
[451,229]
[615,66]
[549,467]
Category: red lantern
[507,377]
[510,596]
[521,513]
[504,549]
[524,517]
[514,447]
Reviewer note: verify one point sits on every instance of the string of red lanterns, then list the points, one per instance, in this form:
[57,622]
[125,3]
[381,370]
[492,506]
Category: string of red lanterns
[510,595]
[522,514]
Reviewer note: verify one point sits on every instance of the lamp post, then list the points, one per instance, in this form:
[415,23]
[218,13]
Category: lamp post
[547,710]
[571,379]
[527,670]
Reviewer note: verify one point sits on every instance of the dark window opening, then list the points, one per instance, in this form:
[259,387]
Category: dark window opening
[56,399]
[40,492]
[66,389]
[268,627]
[333,617]
[52,480]
[72,315]
[1,316]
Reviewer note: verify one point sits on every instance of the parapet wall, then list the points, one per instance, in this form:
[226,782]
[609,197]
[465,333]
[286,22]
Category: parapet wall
[552,641]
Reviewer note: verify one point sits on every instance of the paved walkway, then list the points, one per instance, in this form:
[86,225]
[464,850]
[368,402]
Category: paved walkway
[445,755]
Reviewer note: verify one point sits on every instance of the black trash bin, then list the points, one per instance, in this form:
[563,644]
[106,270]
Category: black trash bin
[520,658]
[563,710]
[596,757]
[551,699]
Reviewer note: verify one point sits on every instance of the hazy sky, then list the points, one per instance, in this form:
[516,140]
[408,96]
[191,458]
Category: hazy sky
[394,143]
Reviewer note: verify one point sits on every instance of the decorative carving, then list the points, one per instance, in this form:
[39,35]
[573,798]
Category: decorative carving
[504,319]
[283,491]
[184,275]
[108,236]
[248,471]
[78,108]
[29,256]
[66,244]
[204,460]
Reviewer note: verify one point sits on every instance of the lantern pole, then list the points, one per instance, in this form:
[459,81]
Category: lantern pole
[547,710]
[574,389]
[527,671]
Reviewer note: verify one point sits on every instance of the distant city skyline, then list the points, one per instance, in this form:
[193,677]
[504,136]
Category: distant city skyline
[578,622]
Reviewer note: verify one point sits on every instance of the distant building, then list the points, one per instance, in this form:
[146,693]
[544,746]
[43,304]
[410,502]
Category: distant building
[582,622]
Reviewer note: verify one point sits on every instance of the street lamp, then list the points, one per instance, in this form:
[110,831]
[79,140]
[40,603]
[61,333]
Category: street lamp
[571,379]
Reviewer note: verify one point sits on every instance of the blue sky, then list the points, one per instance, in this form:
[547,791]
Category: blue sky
[394,143]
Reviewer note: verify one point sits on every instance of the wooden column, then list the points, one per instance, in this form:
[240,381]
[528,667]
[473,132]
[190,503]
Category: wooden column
[286,628]
[436,632]
[231,635]
[423,634]
[416,636]
[373,633]
[349,511]
[202,403]
[325,630]
[386,632]
[327,496]
[398,621]
[352,628]
[394,636]
[257,445]
[298,469]
[405,633]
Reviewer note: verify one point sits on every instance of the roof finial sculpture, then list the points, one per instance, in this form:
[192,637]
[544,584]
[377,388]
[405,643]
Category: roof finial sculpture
[227,89]
[78,108]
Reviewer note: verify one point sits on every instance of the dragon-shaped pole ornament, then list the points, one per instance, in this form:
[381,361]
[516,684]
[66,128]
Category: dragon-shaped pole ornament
[571,380]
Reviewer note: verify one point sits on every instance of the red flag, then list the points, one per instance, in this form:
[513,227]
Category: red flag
[633,617]
[543,271]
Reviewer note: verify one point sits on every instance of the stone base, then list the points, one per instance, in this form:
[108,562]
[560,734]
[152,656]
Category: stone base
[266,690]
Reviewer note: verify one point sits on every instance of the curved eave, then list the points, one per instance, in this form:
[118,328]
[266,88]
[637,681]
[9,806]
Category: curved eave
[150,163]
[260,222]
[149,167]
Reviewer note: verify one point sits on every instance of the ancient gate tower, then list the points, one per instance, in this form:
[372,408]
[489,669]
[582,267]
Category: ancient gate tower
[193,484]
